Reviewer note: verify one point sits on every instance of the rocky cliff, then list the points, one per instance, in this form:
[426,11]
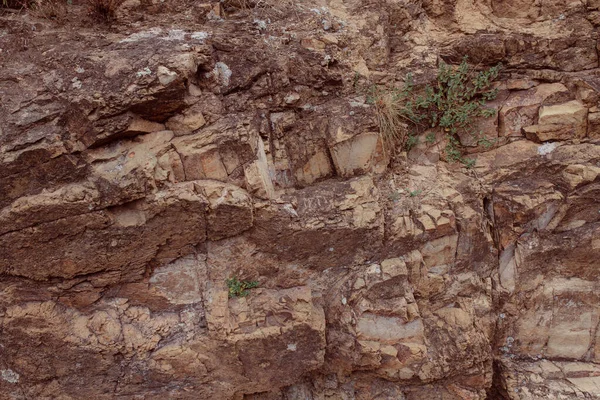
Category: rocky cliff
[146,162]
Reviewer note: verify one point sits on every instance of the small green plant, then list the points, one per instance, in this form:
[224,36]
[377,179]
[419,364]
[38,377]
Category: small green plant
[394,196]
[468,162]
[452,104]
[411,141]
[430,138]
[453,153]
[239,288]
[486,142]
[414,193]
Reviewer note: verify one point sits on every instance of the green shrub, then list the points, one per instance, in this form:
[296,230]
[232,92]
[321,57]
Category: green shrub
[452,104]
[430,138]
[239,288]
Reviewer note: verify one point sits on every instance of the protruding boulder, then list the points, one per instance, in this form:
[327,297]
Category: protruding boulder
[521,108]
[560,122]
[186,122]
[357,155]
[594,125]
[125,238]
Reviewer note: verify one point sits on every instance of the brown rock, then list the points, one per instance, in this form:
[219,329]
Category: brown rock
[356,155]
[140,126]
[187,122]
[122,238]
[515,9]
[313,44]
[230,209]
[560,122]
[594,125]
[316,168]
[521,108]
[402,278]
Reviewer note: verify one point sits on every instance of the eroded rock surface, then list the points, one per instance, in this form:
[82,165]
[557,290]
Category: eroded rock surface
[145,163]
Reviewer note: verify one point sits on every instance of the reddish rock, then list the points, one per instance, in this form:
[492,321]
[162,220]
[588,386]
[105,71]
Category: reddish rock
[196,204]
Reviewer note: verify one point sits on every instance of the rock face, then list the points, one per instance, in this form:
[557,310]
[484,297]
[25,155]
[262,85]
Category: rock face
[145,164]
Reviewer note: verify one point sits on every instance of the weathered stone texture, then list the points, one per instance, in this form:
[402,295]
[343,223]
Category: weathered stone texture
[146,163]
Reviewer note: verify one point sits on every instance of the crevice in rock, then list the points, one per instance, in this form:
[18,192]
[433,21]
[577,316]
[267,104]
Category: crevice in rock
[497,391]
[180,160]
[246,85]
